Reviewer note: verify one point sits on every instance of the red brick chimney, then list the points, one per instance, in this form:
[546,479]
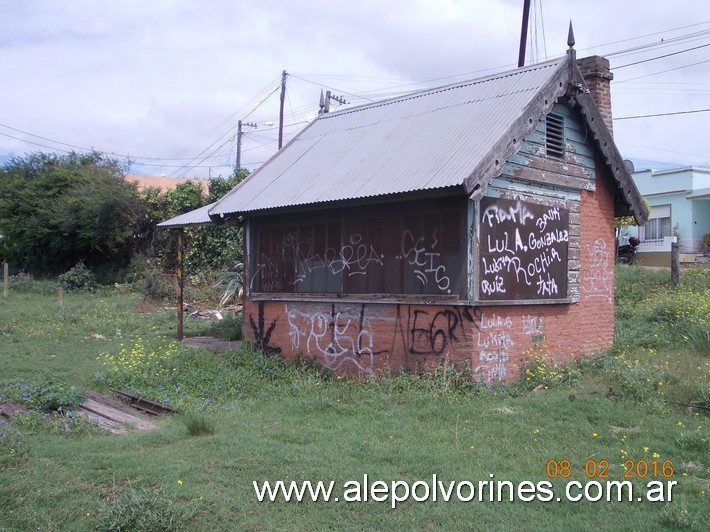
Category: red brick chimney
[597,75]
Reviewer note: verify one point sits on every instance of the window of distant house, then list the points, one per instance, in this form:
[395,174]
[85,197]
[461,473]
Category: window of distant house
[405,248]
[658,225]
[555,135]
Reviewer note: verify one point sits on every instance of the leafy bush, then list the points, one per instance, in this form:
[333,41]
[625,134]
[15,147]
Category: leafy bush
[229,328]
[59,209]
[77,278]
[230,284]
[155,285]
[44,395]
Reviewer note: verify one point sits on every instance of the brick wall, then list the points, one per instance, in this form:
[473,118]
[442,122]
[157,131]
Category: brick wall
[359,338]
[597,74]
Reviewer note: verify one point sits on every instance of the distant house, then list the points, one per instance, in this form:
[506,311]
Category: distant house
[680,209]
[164,183]
[473,222]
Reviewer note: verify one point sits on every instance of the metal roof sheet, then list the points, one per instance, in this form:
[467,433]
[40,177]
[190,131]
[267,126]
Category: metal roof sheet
[197,217]
[427,140]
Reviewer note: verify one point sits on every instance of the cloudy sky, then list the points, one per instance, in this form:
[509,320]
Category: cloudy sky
[165,82]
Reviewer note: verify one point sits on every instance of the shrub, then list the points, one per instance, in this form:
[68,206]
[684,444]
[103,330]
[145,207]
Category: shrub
[638,380]
[44,395]
[78,278]
[155,286]
[540,370]
[230,285]
[21,282]
[229,328]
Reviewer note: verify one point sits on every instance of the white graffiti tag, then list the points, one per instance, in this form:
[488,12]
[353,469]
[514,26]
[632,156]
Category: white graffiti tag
[598,277]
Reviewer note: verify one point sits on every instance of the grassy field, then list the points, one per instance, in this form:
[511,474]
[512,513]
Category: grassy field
[247,417]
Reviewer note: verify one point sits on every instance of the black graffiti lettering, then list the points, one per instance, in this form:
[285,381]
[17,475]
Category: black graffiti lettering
[433,335]
[262,336]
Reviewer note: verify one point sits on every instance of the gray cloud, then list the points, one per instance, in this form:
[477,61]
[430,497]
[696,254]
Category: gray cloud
[167,79]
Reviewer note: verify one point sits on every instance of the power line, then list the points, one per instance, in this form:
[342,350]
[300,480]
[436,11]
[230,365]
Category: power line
[662,56]
[663,114]
[664,71]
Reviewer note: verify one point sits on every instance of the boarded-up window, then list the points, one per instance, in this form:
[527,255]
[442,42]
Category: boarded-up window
[405,248]
[523,250]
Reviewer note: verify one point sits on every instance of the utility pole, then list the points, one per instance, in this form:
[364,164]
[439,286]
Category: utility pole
[281,109]
[524,33]
[239,141]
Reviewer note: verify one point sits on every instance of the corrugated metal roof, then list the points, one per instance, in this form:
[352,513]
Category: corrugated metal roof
[197,217]
[427,140]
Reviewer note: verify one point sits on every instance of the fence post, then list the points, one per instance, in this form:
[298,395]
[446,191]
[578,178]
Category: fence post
[180,283]
[675,264]
[5,279]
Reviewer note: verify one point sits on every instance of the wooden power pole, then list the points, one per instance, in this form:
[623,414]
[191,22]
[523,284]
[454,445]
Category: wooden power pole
[524,33]
[281,108]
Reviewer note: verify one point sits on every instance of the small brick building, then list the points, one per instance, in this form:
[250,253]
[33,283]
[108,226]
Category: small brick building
[473,221]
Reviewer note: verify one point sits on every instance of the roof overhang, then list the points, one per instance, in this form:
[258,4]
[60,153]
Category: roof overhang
[375,152]
[193,218]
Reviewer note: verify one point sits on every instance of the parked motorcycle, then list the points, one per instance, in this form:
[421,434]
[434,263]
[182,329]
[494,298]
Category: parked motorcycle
[626,254]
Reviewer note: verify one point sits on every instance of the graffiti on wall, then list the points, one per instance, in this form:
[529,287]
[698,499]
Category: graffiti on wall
[598,273]
[420,260]
[532,327]
[354,336]
[425,261]
[419,331]
[262,332]
[493,343]
[336,337]
[523,250]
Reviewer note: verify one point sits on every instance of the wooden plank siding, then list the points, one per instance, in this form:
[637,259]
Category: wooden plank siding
[531,175]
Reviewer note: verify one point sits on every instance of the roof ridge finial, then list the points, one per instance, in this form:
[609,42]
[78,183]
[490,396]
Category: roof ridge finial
[321,104]
[570,42]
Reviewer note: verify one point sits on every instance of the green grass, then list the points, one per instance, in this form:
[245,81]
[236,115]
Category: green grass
[260,419]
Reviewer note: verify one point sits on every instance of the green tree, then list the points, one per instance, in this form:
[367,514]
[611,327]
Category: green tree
[57,210]
[207,247]
[216,248]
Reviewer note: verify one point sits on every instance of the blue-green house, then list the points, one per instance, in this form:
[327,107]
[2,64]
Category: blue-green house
[680,208]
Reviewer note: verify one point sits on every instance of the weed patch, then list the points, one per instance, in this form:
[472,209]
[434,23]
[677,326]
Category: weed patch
[145,509]
[198,424]
[14,448]
[46,396]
